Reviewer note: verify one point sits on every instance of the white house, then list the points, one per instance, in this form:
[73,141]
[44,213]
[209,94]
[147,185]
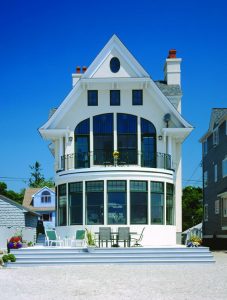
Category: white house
[42,201]
[116,139]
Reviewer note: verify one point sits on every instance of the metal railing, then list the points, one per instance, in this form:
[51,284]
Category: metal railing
[125,158]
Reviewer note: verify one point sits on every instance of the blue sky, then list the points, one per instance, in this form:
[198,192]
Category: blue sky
[42,42]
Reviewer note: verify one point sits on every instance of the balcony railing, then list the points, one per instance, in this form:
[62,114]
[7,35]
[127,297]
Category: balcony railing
[125,158]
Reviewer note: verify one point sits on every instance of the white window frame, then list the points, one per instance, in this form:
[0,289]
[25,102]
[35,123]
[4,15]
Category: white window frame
[205,212]
[205,178]
[215,173]
[217,206]
[224,167]
[216,136]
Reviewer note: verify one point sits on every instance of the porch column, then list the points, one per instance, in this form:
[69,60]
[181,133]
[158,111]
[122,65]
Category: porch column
[91,143]
[170,148]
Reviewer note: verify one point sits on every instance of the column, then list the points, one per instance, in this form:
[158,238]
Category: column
[91,143]
[60,152]
[128,202]
[84,203]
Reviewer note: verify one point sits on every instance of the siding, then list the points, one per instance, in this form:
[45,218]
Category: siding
[11,215]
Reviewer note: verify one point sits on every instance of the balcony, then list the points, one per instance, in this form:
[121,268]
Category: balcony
[125,158]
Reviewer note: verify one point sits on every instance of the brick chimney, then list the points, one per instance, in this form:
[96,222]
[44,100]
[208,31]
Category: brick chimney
[76,76]
[172,70]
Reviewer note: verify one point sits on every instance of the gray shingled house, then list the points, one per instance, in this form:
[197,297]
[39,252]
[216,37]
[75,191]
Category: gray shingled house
[13,214]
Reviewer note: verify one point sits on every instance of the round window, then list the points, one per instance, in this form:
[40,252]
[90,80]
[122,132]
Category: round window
[114,64]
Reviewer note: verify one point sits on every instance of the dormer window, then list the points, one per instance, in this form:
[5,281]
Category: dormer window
[92,98]
[45,197]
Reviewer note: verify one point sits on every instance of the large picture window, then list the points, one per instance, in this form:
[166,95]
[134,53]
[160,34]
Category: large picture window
[76,203]
[82,136]
[117,202]
[148,144]
[62,205]
[94,203]
[103,139]
[169,204]
[127,138]
[157,202]
[138,202]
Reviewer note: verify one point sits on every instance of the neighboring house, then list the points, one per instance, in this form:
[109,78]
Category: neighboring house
[12,214]
[42,201]
[215,180]
[117,141]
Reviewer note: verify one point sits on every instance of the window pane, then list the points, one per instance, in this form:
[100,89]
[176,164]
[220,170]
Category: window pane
[137,97]
[92,97]
[82,144]
[127,138]
[76,203]
[62,205]
[115,97]
[117,208]
[157,202]
[94,202]
[169,204]
[103,139]
[138,202]
[116,186]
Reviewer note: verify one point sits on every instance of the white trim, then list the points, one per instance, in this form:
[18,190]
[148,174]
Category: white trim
[208,236]
[222,236]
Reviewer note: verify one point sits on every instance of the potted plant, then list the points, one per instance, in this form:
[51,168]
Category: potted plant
[90,237]
[194,241]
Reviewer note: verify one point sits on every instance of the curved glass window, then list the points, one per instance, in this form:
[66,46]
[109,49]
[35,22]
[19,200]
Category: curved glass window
[62,198]
[127,139]
[117,202]
[138,202]
[169,204]
[157,202]
[148,144]
[115,64]
[82,136]
[103,139]
[45,197]
[94,202]
[76,203]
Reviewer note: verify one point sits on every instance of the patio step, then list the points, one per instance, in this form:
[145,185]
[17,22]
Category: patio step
[41,256]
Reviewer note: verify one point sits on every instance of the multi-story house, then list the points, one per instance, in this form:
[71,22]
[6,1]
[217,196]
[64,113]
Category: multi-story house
[116,140]
[214,144]
[42,201]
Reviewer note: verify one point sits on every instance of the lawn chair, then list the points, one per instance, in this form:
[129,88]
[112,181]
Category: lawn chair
[79,239]
[139,239]
[52,239]
[124,236]
[105,235]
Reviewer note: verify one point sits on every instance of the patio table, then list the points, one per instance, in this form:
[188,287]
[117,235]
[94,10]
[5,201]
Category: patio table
[115,233]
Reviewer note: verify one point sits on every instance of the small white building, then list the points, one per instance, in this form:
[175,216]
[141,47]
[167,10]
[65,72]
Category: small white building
[116,139]
[42,201]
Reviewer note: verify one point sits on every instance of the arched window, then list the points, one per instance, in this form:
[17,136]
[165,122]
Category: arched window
[127,139]
[103,139]
[82,136]
[45,197]
[148,144]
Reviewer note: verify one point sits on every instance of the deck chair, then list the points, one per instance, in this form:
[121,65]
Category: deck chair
[139,239]
[105,236]
[124,236]
[79,239]
[52,239]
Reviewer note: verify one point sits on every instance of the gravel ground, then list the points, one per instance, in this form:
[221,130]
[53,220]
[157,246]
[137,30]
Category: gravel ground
[202,281]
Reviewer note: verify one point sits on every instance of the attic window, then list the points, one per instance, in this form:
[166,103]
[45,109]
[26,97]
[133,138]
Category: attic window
[115,65]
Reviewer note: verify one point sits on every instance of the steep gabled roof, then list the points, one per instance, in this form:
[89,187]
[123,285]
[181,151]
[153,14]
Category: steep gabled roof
[216,118]
[161,89]
[30,192]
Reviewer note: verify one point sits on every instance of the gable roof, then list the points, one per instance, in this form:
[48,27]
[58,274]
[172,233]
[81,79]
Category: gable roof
[160,88]
[21,207]
[29,193]
[216,118]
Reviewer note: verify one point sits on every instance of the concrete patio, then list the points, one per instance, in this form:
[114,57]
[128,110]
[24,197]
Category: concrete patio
[196,281]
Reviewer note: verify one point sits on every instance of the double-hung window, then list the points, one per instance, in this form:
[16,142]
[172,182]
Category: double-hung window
[115,97]
[92,98]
